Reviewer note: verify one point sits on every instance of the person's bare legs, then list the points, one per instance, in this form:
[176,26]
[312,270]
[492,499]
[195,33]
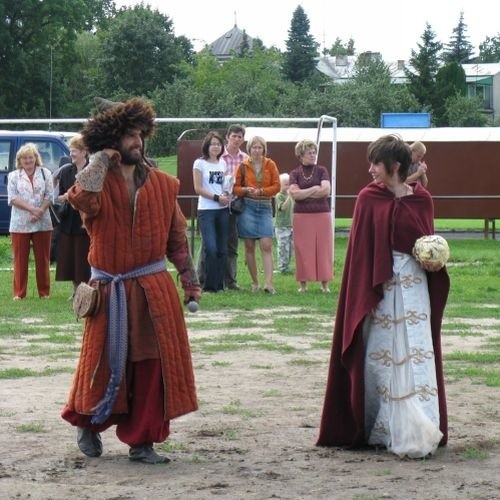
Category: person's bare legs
[303,286]
[266,247]
[251,262]
[324,287]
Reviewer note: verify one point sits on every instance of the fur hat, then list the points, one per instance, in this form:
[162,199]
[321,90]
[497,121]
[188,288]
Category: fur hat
[114,119]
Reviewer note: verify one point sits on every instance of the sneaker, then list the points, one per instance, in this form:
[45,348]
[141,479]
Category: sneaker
[146,454]
[89,442]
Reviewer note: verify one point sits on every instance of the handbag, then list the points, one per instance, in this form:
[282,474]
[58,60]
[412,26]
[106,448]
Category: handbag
[237,205]
[86,300]
[58,212]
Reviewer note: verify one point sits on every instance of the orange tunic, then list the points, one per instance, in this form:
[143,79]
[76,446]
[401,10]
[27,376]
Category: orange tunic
[270,182]
[124,238]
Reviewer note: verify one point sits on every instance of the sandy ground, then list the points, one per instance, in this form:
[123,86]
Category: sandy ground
[253,437]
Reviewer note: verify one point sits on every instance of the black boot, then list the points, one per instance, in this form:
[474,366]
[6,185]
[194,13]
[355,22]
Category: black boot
[89,442]
[146,455]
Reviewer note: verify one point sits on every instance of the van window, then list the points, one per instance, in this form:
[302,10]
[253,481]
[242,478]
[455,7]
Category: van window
[5,147]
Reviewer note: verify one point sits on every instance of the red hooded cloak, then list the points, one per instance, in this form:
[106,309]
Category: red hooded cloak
[381,224]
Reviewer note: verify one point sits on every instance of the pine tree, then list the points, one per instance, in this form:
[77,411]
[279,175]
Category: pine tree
[299,61]
[244,45]
[450,82]
[459,49]
[425,64]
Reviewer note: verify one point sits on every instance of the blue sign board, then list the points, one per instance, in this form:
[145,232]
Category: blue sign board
[405,120]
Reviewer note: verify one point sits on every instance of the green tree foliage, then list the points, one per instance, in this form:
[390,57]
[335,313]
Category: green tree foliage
[299,61]
[341,49]
[175,99]
[81,78]
[489,50]
[244,45]
[370,93]
[140,51]
[242,86]
[459,49]
[424,64]
[91,49]
[98,14]
[307,99]
[465,112]
[36,43]
[450,82]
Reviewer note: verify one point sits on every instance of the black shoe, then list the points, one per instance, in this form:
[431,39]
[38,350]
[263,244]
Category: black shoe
[233,286]
[89,442]
[146,455]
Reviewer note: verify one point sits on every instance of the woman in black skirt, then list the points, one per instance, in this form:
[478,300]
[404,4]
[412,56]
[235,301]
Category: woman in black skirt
[73,244]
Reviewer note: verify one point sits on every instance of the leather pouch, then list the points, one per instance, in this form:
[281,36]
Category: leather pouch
[86,300]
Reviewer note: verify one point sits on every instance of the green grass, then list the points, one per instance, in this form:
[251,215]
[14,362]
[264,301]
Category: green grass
[475,454]
[272,393]
[230,435]
[304,362]
[13,373]
[168,164]
[235,408]
[260,322]
[474,357]
[34,427]
[487,377]
[221,363]
[170,446]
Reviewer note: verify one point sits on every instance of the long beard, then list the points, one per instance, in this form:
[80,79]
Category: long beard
[130,157]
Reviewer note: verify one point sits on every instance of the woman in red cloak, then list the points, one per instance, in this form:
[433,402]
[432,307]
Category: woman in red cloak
[385,383]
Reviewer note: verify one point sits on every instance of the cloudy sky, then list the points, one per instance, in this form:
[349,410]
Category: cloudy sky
[392,27]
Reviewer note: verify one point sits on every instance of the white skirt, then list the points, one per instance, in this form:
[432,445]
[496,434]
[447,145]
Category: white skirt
[401,396]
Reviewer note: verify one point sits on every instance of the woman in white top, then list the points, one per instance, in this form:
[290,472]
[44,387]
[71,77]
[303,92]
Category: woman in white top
[213,214]
[30,194]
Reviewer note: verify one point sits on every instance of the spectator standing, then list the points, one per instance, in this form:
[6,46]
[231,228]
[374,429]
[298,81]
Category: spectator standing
[283,204]
[261,183]
[30,193]
[213,213]
[73,241]
[135,367]
[418,168]
[385,384]
[312,223]
[63,161]
[233,156]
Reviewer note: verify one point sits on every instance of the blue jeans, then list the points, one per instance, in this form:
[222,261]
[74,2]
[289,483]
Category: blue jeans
[213,225]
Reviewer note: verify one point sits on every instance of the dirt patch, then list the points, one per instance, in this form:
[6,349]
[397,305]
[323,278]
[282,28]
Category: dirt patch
[253,437]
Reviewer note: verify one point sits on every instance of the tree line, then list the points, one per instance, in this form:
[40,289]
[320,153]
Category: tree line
[54,61]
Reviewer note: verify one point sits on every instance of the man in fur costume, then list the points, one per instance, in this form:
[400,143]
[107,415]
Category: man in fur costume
[135,367]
